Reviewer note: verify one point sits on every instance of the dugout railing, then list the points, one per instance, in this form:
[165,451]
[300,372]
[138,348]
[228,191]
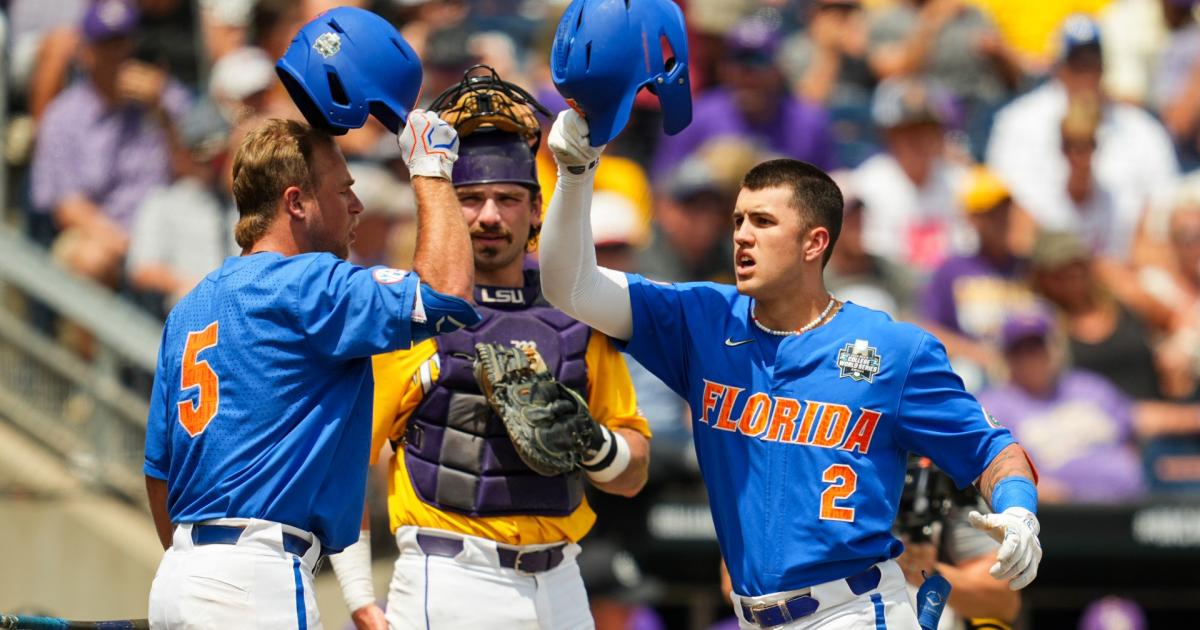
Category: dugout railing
[88,407]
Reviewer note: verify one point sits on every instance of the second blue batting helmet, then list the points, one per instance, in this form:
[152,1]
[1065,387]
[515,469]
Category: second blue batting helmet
[605,51]
[349,63]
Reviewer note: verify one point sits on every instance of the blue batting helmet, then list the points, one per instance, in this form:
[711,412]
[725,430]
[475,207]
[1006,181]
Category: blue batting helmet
[606,50]
[348,63]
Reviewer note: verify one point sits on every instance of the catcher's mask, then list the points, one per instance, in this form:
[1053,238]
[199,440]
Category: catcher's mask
[497,129]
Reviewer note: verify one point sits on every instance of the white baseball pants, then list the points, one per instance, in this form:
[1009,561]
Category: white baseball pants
[887,607]
[472,590]
[251,584]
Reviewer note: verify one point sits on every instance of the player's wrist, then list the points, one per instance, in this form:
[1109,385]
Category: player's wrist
[1015,492]
[609,459]
[353,569]
[578,170]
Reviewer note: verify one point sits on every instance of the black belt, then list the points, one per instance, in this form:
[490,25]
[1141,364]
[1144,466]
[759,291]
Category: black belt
[767,615]
[521,561]
[229,535]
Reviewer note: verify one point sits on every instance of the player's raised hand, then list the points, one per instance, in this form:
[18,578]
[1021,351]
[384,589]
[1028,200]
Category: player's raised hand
[1016,529]
[428,145]
[569,143]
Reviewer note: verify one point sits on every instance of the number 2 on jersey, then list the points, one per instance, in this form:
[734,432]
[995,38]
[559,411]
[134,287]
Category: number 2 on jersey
[845,482]
[195,415]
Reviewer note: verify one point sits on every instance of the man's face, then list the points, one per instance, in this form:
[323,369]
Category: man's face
[332,210]
[103,60]
[1032,366]
[916,146]
[769,241]
[992,227]
[755,85]
[1081,72]
[694,225]
[1068,284]
[500,217]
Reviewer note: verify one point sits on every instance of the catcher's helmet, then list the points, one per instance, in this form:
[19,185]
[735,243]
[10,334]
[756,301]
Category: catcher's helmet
[606,50]
[494,157]
[497,129]
[348,63]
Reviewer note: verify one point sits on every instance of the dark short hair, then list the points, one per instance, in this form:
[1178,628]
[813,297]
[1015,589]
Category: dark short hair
[814,193]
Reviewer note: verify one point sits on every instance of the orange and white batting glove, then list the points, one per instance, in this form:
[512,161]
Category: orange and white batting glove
[569,143]
[429,145]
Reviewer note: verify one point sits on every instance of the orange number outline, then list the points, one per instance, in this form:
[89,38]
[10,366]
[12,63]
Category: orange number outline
[845,482]
[195,415]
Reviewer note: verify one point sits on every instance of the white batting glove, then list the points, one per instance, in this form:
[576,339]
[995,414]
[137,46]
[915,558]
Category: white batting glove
[1016,529]
[569,144]
[429,145]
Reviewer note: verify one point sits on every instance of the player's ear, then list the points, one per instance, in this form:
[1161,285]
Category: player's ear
[293,199]
[537,211]
[815,243]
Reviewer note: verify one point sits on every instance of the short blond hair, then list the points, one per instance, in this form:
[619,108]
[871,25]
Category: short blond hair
[271,158]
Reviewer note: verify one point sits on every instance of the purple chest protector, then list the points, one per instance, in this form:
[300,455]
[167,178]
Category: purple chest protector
[458,454]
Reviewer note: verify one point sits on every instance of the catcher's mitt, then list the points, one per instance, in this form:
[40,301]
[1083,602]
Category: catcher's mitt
[483,101]
[547,421]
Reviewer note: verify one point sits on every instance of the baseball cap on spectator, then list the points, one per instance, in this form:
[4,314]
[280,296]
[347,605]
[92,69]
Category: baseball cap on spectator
[982,191]
[691,178]
[204,132]
[109,19]
[1079,35]
[1032,323]
[902,101]
[235,13]
[1052,250]
[241,73]
[382,193]
[1113,613]
[615,220]
[851,200]
[753,42]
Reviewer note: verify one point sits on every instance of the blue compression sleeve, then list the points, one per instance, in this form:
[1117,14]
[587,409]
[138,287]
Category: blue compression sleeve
[443,314]
[1014,492]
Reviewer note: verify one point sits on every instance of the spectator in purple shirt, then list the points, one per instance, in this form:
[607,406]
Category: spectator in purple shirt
[969,296]
[104,143]
[1078,428]
[752,102]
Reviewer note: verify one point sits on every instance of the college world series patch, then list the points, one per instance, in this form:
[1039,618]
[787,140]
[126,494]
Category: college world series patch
[858,361]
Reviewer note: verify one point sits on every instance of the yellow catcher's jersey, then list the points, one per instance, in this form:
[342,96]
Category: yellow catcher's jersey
[398,391]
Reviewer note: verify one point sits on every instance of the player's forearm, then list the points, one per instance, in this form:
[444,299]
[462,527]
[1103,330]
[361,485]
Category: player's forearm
[156,493]
[443,256]
[1152,419]
[571,279]
[352,567]
[633,478]
[975,593]
[1010,463]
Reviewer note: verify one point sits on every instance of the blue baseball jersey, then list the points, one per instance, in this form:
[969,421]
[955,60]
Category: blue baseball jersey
[802,440]
[261,406]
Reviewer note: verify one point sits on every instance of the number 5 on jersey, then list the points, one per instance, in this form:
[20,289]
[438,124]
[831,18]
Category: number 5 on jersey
[195,415]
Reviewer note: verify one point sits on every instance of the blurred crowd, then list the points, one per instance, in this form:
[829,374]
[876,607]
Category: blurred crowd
[1020,177]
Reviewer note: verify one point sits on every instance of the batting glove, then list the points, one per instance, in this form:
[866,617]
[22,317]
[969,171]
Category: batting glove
[1016,529]
[569,144]
[428,145]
